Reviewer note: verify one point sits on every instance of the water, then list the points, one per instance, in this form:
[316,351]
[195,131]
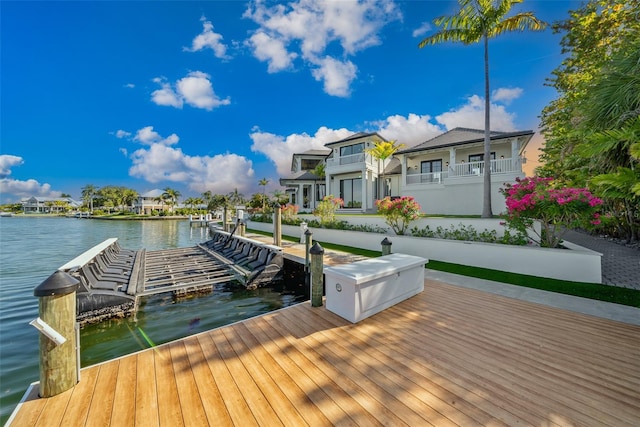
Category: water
[32,248]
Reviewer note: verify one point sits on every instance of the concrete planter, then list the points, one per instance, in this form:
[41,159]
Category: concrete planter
[574,264]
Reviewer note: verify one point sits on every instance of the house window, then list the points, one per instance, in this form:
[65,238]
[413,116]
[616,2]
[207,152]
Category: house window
[430,170]
[480,157]
[352,149]
[308,164]
[351,192]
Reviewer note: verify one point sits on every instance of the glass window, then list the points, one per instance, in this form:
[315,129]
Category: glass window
[351,192]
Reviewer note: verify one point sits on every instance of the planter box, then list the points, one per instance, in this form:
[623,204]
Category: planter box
[361,289]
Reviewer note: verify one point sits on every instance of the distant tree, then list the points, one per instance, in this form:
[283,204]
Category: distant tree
[381,151]
[206,197]
[89,191]
[263,182]
[171,197]
[219,202]
[319,170]
[280,197]
[236,198]
[65,195]
[478,21]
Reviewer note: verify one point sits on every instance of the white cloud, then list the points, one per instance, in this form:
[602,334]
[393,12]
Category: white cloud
[279,149]
[271,50]
[506,95]
[337,76]
[422,29]
[166,95]
[310,27]
[195,89]
[208,39]
[120,134]
[20,188]
[160,162]
[410,130]
[148,136]
[7,161]
[471,115]
[129,85]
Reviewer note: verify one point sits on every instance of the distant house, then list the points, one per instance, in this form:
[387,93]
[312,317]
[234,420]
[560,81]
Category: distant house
[444,174]
[49,205]
[149,202]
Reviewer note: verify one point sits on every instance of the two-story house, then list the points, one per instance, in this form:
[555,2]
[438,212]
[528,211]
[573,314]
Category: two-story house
[49,205]
[446,174]
[149,202]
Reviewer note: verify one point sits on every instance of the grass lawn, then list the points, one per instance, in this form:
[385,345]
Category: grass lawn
[594,291]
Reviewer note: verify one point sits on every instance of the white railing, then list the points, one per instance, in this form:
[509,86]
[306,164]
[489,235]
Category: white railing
[427,178]
[477,168]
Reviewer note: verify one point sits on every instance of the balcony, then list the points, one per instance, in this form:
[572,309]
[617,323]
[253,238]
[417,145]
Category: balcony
[350,160]
[469,169]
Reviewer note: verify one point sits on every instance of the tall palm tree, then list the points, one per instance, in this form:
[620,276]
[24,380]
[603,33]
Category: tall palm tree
[263,182]
[478,21]
[381,151]
[171,196]
[89,191]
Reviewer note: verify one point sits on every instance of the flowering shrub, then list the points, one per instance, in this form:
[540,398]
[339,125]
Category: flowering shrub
[398,213]
[535,199]
[289,211]
[327,208]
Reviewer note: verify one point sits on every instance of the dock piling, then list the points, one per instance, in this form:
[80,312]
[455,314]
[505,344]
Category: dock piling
[277,226]
[317,279]
[58,338]
[386,246]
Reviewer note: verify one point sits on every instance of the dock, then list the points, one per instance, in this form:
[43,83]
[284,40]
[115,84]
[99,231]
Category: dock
[450,356]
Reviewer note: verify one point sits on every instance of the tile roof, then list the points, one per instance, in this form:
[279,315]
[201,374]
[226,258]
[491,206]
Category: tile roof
[461,136]
[355,136]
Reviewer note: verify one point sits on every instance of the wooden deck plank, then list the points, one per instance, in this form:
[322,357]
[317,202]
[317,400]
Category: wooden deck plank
[28,412]
[232,398]
[287,386]
[169,409]
[77,412]
[101,408]
[262,411]
[146,391]
[124,403]
[192,408]
[210,394]
[447,356]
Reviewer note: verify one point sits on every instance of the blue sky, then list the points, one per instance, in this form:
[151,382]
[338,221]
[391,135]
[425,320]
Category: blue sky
[217,95]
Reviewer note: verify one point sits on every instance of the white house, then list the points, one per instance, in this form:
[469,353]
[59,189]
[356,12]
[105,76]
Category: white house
[49,204]
[444,174]
[148,202]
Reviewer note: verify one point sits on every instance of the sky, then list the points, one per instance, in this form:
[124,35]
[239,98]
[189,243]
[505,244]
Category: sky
[217,95]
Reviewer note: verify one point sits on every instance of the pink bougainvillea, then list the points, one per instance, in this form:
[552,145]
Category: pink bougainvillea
[536,199]
[327,208]
[398,213]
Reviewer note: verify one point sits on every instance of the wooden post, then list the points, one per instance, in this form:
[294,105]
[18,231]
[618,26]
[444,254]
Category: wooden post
[242,227]
[386,246]
[317,280]
[308,238]
[277,226]
[224,219]
[58,362]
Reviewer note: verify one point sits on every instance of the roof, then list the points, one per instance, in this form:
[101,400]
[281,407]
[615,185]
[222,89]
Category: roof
[153,193]
[302,176]
[355,136]
[309,153]
[394,167]
[463,136]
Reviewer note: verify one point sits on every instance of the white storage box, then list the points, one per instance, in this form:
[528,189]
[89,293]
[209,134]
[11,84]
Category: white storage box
[361,289]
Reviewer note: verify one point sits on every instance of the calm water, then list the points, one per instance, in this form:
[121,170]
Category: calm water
[32,248]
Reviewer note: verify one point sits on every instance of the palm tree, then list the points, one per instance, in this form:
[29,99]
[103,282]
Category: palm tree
[89,191]
[480,20]
[236,198]
[171,196]
[383,150]
[263,182]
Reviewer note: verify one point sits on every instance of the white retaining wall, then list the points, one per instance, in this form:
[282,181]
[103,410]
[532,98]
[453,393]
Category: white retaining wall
[575,264]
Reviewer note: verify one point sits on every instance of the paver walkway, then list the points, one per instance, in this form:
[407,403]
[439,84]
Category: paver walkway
[620,264]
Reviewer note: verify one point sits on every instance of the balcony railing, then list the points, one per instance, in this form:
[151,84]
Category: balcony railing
[469,169]
[349,160]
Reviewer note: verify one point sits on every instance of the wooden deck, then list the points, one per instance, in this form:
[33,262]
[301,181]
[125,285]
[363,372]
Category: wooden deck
[449,356]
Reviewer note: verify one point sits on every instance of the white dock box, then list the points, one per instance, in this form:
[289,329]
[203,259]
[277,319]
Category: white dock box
[361,289]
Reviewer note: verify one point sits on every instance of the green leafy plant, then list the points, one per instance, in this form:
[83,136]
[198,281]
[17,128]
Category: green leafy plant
[398,213]
[327,208]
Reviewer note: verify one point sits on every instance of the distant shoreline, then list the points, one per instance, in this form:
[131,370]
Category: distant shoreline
[106,218]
